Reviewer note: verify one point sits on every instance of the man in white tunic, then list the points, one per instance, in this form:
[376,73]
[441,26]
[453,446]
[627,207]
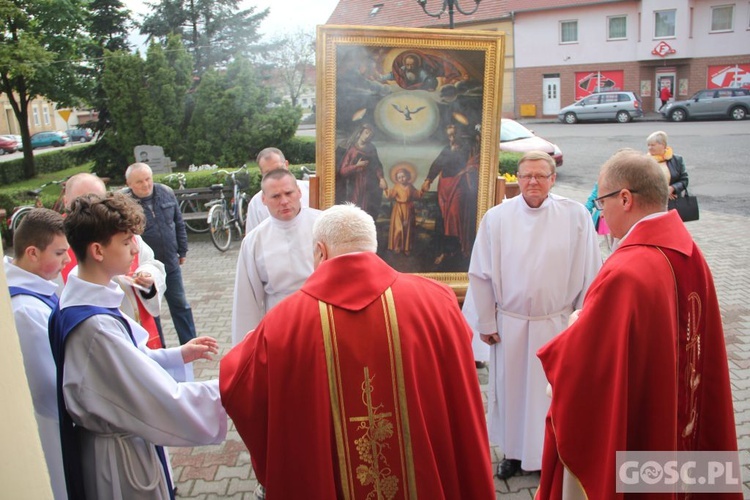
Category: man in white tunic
[534,257]
[116,396]
[41,251]
[276,257]
[270,159]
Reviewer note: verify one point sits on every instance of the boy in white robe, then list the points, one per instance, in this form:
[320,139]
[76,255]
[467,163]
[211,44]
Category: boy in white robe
[41,251]
[276,257]
[118,405]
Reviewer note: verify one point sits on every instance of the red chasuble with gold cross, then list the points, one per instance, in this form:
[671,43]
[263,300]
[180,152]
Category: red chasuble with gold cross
[361,385]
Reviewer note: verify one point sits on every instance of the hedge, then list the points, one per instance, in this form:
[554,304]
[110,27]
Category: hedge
[12,170]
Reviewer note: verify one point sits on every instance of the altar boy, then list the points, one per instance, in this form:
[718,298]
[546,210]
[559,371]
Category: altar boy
[118,405]
[41,251]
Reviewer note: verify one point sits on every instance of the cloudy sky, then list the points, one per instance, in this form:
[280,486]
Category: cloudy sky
[284,15]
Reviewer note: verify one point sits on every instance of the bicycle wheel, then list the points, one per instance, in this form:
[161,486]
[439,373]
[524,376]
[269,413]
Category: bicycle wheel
[221,230]
[17,217]
[193,213]
[242,211]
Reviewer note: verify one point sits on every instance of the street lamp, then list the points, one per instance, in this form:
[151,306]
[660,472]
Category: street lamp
[448,4]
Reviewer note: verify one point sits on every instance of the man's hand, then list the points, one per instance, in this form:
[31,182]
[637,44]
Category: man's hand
[383,184]
[182,260]
[490,339]
[143,279]
[574,316]
[199,348]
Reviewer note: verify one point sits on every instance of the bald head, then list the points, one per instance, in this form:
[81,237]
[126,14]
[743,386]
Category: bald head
[81,184]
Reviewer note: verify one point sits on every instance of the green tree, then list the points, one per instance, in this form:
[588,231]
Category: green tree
[214,31]
[233,119]
[40,46]
[291,58]
[123,83]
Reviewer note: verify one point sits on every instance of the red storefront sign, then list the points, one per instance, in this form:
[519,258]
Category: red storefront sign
[589,82]
[735,75]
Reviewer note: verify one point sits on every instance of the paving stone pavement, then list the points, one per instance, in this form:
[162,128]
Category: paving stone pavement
[224,471]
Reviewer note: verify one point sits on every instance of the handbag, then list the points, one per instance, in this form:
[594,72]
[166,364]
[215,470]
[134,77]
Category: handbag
[686,206]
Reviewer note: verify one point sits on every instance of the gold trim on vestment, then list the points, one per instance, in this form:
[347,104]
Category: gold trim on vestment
[376,425]
[336,407]
[394,334]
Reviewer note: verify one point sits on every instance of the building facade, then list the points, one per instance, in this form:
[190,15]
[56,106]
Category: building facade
[565,52]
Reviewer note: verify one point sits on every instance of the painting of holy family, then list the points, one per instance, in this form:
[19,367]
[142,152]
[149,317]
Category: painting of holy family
[407,129]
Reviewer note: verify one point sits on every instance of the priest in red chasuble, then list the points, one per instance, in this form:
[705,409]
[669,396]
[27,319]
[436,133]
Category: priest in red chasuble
[362,384]
[644,366]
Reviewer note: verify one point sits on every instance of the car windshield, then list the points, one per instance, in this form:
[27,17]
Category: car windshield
[513,131]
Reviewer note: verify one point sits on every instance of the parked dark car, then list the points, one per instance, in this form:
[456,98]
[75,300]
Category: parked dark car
[44,139]
[621,106]
[731,103]
[516,138]
[8,144]
[80,134]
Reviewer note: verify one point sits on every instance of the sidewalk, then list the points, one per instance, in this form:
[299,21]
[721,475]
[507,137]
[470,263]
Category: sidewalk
[651,116]
[223,471]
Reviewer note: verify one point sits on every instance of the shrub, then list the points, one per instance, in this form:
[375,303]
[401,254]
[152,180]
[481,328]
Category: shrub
[12,171]
[508,162]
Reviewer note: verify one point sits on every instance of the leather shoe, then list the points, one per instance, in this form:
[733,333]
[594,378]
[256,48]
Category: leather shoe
[508,468]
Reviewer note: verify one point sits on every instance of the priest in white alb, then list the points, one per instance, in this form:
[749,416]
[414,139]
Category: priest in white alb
[276,257]
[534,257]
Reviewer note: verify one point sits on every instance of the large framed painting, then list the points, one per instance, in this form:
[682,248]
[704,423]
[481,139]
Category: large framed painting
[407,129]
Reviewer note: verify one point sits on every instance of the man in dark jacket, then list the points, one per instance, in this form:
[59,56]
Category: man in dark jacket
[165,233]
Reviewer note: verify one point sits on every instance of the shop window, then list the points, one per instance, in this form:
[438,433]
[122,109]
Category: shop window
[617,27]
[722,18]
[664,22]
[568,31]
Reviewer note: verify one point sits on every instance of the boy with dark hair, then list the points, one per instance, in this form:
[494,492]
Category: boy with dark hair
[118,404]
[41,251]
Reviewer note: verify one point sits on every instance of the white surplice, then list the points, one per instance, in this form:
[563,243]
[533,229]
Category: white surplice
[125,400]
[530,268]
[257,212]
[31,317]
[275,260]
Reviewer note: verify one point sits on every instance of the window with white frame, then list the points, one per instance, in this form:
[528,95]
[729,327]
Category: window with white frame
[45,113]
[664,21]
[35,112]
[617,27]
[568,31]
[722,18]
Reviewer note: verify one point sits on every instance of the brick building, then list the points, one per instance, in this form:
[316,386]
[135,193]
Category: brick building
[560,50]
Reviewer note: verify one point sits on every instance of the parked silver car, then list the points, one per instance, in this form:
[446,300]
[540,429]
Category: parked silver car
[621,106]
[712,103]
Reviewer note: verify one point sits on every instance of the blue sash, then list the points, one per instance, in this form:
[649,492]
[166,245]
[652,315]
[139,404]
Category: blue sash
[62,322]
[50,300]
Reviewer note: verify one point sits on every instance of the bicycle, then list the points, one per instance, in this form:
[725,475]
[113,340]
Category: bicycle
[224,214]
[20,212]
[188,206]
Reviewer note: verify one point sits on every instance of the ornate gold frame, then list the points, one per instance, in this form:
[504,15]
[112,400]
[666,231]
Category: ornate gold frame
[487,47]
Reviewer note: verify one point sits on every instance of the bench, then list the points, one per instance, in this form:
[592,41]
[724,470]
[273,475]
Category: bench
[203,195]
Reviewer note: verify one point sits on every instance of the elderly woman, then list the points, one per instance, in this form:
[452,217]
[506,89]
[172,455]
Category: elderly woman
[672,165]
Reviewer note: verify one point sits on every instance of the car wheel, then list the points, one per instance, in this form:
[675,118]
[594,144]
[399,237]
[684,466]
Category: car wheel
[2,152]
[571,118]
[738,113]
[56,144]
[678,115]
[622,116]
[82,140]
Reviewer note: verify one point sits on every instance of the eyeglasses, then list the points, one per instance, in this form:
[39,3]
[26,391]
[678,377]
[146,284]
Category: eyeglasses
[538,178]
[598,201]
